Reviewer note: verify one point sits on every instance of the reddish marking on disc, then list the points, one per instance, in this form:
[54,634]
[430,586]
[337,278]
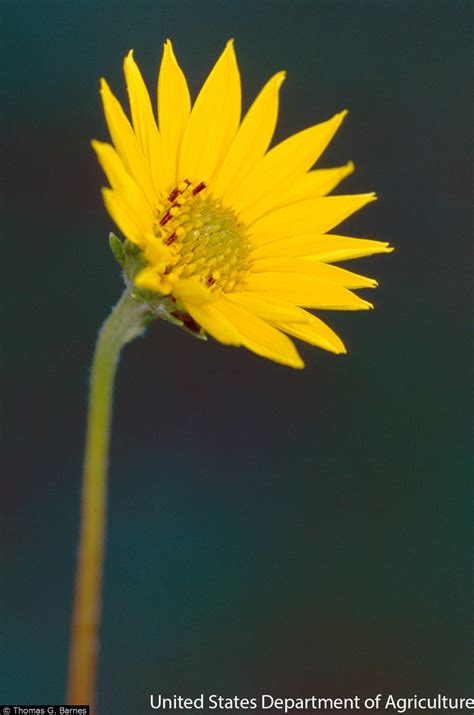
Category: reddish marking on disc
[211,281]
[168,241]
[199,188]
[167,217]
[174,195]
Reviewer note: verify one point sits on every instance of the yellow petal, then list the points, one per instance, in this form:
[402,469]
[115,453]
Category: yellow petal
[192,290]
[309,186]
[213,322]
[111,163]
[132,201]
[252,139]
[144,124]
[121,180]
[149,279]
[260,337]
[305,290]
[174,105]
[140,105]
[316,183]
[267,308]
[157,253]
[214,120]
[328,248]
[311,216]
[315,332]
[126,143]
[326,272]
[333,248]
[130,223]
[281,166]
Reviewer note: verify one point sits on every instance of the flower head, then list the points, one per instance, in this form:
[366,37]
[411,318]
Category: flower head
[232,238]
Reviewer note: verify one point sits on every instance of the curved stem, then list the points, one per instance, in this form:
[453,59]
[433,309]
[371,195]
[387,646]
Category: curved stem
[123,324]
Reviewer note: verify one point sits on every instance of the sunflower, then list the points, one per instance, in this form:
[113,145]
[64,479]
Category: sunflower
[233,236]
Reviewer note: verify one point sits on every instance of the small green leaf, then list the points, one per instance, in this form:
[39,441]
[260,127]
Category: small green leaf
[131,249]
[117,248]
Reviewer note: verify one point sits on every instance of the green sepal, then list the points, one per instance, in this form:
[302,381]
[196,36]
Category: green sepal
[117,248]
[199,334]
[131,249]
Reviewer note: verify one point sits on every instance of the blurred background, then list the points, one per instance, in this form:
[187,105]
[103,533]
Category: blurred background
[269,530]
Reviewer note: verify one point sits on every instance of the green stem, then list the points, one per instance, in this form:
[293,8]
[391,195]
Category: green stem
[123,324]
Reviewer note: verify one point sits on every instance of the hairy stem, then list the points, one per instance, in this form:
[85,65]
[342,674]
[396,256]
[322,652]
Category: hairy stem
[123,324]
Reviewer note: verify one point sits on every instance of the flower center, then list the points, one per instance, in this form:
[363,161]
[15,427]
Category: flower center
[205,239]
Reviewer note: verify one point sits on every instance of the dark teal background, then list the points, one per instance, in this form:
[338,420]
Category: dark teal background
[269,530]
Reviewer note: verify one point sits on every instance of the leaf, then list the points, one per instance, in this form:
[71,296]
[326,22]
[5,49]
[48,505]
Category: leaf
[117,248]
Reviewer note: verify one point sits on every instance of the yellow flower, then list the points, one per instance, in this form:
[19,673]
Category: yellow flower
[235,235]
